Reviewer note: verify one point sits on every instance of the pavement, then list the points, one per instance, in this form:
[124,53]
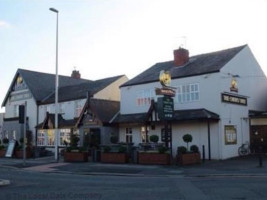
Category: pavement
[239,167]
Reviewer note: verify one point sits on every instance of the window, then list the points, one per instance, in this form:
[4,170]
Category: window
[129,135]
[50,137]
[78,108]
[13,135]
[143,134]
[144,97]
[16,111]
[64,136]
[188,93]
[41,138]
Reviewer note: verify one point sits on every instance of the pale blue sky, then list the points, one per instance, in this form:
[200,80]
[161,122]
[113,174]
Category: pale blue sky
[105,38]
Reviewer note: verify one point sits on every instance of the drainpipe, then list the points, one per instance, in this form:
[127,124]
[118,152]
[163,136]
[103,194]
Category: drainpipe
[209,139]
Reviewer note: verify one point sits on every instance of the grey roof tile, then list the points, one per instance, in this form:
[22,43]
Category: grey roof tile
[197,65]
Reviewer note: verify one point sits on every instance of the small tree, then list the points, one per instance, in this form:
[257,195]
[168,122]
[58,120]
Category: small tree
[114,139]
[5,141]
[74,139]
[154,138]
[187,138]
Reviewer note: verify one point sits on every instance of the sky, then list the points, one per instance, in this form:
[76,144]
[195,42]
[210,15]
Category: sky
[104,38]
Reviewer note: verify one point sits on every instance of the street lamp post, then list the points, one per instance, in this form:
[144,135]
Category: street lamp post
[56,90]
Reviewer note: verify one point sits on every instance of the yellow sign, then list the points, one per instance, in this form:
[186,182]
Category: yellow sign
[165,78]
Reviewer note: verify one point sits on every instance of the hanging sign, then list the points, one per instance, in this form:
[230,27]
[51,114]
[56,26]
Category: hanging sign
[165,108]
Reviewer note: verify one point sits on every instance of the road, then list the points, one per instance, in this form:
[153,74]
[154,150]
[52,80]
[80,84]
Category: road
[29,185]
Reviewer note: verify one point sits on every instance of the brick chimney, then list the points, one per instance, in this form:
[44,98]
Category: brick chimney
[76,74]
[181,57]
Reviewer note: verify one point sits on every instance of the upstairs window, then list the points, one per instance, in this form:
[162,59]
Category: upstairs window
[78,108]
[144,97]
[188,93]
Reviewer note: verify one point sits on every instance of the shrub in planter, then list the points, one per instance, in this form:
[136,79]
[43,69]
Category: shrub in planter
[181,150]
[187,138]
[2,150]
[120,156]
[194,149]
[122,149]
[106,149]
[162,149]
[73,152]
[154,138]
[114,139]
[5,141]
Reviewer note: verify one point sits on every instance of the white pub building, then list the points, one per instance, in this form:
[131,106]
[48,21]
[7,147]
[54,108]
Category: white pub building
[215,94]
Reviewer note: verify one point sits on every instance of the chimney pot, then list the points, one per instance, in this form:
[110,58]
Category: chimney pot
[76,74]
[181,56]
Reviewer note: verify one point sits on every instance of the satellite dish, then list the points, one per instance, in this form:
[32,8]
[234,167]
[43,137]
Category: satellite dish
[165,78]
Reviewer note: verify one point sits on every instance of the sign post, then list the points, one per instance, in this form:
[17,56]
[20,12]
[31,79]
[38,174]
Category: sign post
[166,108]
[22,120]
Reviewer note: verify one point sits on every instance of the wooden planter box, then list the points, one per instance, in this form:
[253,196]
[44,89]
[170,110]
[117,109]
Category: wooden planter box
[75,157]
[19,154]
[2,153]
[189,158]
[113,157]
[154,158]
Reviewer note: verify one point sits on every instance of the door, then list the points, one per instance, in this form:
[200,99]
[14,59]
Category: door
[92,137]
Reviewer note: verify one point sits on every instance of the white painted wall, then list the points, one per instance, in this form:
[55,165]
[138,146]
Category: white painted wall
[31,111]
[251,82]
[69,109]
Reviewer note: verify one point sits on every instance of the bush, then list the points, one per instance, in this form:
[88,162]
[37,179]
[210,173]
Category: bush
[114,139]
[21,141]
[194,148]
[154,138]
[5,141]
[74,139]
[187,138]
[122,149]
[162,149]
[181,150]
[107,149]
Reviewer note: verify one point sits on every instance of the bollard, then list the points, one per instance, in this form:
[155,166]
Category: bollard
[260,156]
[203,153]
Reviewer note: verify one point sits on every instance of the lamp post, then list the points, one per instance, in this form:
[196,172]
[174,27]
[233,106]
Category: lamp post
[56,90]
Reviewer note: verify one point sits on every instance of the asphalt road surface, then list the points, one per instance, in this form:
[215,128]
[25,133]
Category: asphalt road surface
[29,185]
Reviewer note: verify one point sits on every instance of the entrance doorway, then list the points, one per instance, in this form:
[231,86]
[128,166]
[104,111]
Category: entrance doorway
[258,138]
[92,138]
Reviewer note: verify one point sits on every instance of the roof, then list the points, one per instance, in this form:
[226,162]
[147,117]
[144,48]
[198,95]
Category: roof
[253,114]
[79,91]
[179,115]
[62,123]
[104,110]
[197,65]
[42,84]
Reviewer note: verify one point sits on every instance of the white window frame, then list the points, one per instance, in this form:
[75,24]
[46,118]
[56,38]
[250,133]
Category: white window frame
[128,135]
[16,110]
[144,97]
[64,136]
[188,93]
[41,138]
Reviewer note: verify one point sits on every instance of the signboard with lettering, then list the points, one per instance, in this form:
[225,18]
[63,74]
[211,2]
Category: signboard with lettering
[240,100]
[164,136]
[10,148]
[165,108]
[165,91]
